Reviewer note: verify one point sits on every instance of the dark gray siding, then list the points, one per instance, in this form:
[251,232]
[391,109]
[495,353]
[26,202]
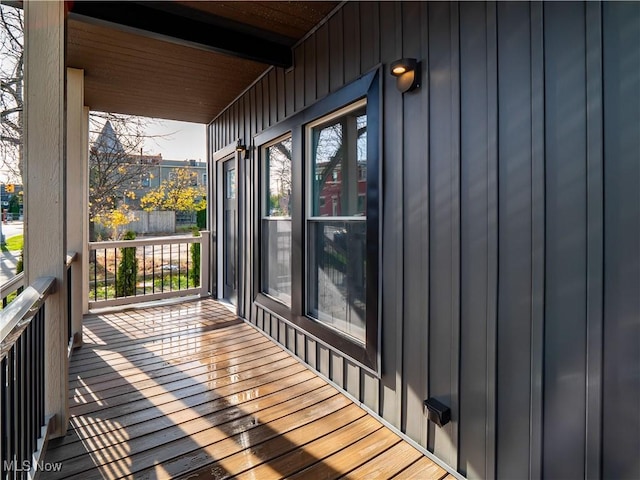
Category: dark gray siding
[621,328]
[511,227]
[566,240]
[478,243]
[514,345]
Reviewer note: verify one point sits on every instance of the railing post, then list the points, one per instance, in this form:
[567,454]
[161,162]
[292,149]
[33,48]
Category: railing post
[205,267]
[45,189]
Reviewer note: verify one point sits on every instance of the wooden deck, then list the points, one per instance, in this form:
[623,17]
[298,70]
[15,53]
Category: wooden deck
[191,391]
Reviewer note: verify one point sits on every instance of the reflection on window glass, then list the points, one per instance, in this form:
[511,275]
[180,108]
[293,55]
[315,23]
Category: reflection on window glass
[276,221]
[231,184]
[339,163]
[278,175]
[337,288]
[336,293]
[276,255]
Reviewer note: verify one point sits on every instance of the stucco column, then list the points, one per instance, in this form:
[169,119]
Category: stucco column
[45,189]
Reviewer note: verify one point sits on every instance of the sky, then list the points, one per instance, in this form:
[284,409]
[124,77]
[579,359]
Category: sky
[182,140]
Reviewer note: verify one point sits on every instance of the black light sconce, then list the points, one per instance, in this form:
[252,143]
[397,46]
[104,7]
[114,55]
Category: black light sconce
[242,148]
[407,73]
[437,412]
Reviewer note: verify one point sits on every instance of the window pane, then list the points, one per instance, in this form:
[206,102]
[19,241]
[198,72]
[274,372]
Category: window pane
[339,163]
[276,223]
[337,294]
[278,175]
[231,183]
[276,255]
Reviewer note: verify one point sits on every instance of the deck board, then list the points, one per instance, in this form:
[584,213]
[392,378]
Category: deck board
[190,391]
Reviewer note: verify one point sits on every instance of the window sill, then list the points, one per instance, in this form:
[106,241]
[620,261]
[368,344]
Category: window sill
[273,305]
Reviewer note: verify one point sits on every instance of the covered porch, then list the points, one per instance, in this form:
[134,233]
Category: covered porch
[190,390]
[494,267]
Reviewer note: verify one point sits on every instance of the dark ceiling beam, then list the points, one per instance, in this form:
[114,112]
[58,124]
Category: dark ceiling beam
[186,26]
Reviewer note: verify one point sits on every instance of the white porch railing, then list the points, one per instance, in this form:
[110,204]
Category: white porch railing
[166,267]
[11,288]
[23,386]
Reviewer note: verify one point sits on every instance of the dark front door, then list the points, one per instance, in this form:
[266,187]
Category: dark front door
[229,233]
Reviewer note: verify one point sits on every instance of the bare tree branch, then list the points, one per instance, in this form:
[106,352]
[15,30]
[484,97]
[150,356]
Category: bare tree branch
[113,174]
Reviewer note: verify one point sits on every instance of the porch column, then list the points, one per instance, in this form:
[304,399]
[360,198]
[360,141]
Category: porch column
[44,199]
[77,197]
[85,210]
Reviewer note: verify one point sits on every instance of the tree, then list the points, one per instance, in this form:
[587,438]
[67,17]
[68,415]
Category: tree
[14,203]
[195,259]
[280,178]
[11,90]
[113,221]
[127,269]
[116,165]
[115,171]
[179,193]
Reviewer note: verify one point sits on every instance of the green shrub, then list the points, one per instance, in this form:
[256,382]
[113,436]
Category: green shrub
[201,219]
[20,263]
[127,269]
[195,260]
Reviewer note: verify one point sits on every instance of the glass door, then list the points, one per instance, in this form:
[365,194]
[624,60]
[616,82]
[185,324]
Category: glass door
[229,232]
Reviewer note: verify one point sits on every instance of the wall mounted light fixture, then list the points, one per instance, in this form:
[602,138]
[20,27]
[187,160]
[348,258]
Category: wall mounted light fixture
[407,73]
[242,149]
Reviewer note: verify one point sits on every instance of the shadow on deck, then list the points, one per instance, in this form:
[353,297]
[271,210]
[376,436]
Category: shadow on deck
[191,391]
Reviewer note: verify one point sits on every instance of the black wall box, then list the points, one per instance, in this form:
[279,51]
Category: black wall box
[437,412]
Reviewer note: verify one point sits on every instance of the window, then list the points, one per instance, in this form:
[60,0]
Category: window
[336,247]
[276,220]
[319,220]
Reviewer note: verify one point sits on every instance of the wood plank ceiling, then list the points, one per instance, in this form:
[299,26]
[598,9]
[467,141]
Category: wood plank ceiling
[181,60]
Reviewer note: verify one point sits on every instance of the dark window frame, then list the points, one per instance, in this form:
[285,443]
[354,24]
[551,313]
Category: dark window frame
[369,86]
[262,172]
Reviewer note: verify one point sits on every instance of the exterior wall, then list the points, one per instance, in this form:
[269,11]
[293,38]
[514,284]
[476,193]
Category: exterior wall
[511,227]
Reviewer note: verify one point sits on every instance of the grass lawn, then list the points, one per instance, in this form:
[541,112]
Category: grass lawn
[13,243]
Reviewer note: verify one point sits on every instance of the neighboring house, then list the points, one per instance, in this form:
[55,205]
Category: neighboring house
[149,171]
[332,197]
[160,170]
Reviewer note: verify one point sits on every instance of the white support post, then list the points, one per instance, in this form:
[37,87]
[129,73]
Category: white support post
[77,196]
[45,189]
[85,211]
[205,267]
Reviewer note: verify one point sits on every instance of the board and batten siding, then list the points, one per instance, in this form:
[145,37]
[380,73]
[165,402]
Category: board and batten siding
[510,247]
